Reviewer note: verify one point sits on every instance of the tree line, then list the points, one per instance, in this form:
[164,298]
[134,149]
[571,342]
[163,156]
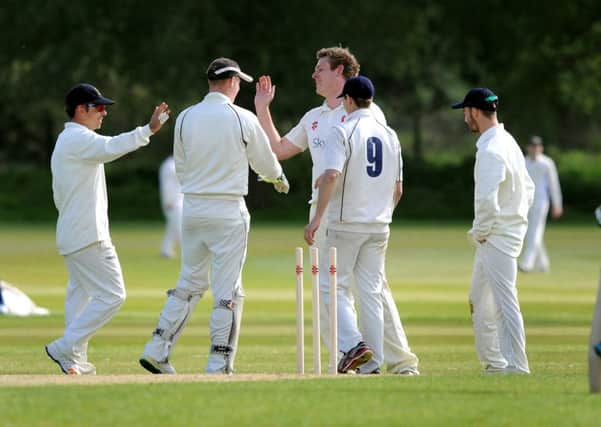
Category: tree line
[542,59]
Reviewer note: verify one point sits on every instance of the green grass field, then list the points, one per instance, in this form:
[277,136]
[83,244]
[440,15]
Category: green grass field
[429,268]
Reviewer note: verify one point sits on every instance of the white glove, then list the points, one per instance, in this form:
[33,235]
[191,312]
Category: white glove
[598,215]
[280,184]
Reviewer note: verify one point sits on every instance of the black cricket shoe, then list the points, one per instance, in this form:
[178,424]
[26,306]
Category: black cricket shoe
[355,357]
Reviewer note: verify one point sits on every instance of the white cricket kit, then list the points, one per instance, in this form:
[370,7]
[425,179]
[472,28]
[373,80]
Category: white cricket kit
[368,156]
[96,289]
[543,172]
[215,141]
[503,195]
[171,202]
[312,132]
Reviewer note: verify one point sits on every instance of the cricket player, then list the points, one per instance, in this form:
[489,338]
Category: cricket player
[335,65]
[215,141]
[363,180]
[543,172]
[172,203]
[502,197]
[96,289]
[594,351]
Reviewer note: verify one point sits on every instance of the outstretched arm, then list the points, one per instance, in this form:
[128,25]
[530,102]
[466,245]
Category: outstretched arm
[265,94]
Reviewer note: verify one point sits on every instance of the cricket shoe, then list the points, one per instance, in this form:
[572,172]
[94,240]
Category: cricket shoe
[355,357]
[67,365]
[86,368]
[369,368]
[597,349]
[408,372]
[154,366]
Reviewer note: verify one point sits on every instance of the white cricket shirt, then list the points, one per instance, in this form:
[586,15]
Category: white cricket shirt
[214,143]
[503,192]
[368,156]
[79,184]
[543,172]
[312,132]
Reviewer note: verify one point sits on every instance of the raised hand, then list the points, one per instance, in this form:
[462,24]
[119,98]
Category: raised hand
[265,92]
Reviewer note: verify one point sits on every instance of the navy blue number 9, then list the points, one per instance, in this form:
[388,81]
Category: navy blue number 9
[374,156]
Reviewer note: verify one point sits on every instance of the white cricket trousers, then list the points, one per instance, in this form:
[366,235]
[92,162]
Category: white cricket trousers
[94,294]
[496,317]
[361,256]
[173,231]
[397,353]
[534,256]
[214,240]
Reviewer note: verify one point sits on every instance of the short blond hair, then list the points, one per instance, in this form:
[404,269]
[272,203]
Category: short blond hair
[340,56]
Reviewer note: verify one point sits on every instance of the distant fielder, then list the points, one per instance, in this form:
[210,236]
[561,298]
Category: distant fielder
[96,289]
[172,201]
[502,196]
[363,179]
[594,352]
[543,172]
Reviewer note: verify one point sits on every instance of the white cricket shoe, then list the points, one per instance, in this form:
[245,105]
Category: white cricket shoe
[154,366]
[67,365]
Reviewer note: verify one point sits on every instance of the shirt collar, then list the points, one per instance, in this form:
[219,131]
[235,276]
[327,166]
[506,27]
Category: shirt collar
[218,96]
[75,125]
[326,109]
[489,134]
[360,112]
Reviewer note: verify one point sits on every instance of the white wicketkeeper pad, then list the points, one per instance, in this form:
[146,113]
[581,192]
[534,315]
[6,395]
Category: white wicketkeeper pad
[15,302]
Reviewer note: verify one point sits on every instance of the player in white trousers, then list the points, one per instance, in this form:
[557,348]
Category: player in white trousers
[96,289]
[363,178]
[502,196]
[334,66]
[172,202]
[215,141]
[543,172]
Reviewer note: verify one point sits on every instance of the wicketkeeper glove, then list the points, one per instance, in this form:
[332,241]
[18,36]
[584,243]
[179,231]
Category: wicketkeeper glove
[280,184]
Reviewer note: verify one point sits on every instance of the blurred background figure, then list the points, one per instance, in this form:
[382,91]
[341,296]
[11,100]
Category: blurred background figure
[171,202]
[594,350]
[543,172]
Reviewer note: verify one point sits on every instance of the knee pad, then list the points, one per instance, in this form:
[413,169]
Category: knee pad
[178,308]
[225,331]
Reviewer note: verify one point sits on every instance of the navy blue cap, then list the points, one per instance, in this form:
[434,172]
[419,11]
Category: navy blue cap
[359,87]
[85,93]
[481,98]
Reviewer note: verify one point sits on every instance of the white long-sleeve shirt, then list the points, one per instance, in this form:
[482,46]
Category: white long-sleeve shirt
[368,156]
[214,143]
[79,184]
[543,172]
[503,192]
[313,130]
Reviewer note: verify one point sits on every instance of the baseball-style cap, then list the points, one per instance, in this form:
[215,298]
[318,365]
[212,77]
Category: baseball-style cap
[225,68]
[536,140]
[481,98]
[359,87]
[85,93]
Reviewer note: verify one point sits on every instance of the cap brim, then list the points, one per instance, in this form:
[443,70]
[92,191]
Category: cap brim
[103,101]
[245,77]
[457,105]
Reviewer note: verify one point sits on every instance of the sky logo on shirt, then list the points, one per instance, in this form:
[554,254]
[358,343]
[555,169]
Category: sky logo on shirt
[318,143]
[314,125]
[342,119]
